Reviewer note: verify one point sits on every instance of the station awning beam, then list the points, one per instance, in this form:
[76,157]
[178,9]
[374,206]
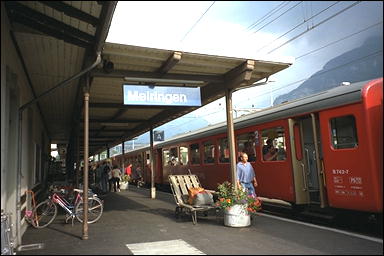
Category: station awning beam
[170,63]
[240,75]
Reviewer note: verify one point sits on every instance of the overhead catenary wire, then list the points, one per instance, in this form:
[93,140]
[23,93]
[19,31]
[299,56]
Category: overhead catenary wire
[313,27]
[302,80]
[311,10]
[336,41]
[323,72]
[277,17]
[298,25]
[268,14]
[197,22]
[295,82]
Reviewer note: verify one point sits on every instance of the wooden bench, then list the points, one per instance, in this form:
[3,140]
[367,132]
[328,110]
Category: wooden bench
[180,185]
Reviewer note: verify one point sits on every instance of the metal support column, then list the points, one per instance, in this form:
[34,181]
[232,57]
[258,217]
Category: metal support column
[231,135]
[77,170]
[152,158]
[85,174]
[122,159]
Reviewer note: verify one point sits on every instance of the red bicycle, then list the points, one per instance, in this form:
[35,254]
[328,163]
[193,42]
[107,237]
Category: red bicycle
[45,212]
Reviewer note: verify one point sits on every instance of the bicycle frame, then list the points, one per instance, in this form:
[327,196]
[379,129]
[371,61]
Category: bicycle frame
[57,199]
[48,208]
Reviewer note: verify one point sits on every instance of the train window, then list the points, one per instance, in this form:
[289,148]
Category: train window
[174,156]
[274,146]
[344,133]
[183,155]
[223,151]
[166,157]
[195,153]
[246,144]
[209,152]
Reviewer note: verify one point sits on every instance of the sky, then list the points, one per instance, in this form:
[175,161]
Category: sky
[207,27]
[308,34]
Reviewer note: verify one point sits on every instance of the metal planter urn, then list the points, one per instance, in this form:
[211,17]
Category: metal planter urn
[237,216]
[124,185]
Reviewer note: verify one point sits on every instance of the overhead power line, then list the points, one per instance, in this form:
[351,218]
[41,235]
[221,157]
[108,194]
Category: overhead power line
[277,17]
[325,71]
[268,14]
[197,22]
[318,24]
[298,25]
[341,39]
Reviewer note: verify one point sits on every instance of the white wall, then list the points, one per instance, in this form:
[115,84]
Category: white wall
[15,91]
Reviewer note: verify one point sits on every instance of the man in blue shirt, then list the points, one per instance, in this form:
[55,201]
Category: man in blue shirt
[246,175]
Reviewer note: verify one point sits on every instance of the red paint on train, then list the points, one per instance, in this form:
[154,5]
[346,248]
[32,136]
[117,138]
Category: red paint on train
[333,145]
[354,175]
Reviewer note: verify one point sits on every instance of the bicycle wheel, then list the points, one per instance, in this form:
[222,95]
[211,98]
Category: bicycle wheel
[95,210]
[43,214]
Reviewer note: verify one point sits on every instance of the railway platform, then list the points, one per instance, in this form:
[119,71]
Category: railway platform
[133,224]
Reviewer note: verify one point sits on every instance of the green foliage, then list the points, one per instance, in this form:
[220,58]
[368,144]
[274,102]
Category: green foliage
[229,196]
[125,178]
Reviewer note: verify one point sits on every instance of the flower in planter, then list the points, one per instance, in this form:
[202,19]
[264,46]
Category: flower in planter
[125,178]
[228,197]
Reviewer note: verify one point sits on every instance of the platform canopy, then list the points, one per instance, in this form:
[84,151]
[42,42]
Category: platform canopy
[57,40]
[111,122]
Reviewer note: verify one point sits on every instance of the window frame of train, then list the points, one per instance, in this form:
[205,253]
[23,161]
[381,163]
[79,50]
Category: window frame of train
[220,142]
[183,158]
[172,152]
[165,162]
[193,153]
[212,143]
[247,137]
[278,134]
[343,124]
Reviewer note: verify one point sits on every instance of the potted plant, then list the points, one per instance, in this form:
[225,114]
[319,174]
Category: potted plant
[125,182]
[237,205]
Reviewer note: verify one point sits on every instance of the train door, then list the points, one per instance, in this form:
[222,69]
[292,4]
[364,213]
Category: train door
[307,165]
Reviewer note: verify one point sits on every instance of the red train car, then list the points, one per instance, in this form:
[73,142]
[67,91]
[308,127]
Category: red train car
[327,150]
[139,158]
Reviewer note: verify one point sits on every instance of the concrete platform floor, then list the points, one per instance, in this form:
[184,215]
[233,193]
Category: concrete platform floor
[133,223]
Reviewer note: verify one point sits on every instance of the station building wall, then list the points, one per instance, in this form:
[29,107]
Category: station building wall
[35,144]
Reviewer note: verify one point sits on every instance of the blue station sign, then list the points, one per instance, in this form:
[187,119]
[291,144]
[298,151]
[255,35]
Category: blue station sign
[161,95]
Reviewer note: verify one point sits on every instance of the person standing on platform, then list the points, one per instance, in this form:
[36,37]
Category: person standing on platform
[139,173]
[110,178]
[116,174]
[246,175]
[104,168]
[92,174]
[128,170]
[271,154]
